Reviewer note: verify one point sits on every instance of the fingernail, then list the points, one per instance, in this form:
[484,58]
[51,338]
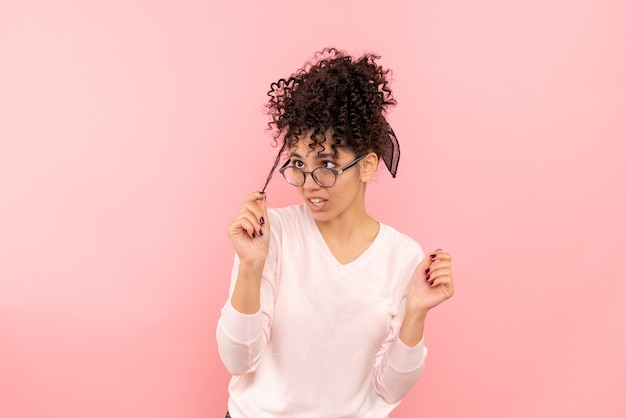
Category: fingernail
[261,232]
[427,270]
[253,235]
[433,255]
[262,220]
[261,192]
[428,277]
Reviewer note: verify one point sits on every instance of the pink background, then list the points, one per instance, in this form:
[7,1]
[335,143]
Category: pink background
[130,132]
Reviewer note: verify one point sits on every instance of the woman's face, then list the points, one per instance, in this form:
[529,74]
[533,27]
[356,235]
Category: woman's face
[328,203]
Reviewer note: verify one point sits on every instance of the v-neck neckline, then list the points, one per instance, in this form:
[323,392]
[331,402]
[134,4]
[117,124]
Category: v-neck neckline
[328,254]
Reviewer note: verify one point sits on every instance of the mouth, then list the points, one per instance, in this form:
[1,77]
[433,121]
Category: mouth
[316,202]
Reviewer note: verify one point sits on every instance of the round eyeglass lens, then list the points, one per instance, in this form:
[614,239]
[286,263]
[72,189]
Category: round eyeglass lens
[294,176]
[324,176]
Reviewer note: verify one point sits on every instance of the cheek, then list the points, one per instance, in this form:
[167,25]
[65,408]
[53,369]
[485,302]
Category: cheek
[346,190]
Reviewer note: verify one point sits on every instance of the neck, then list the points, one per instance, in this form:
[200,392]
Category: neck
[347,236]
[351,225]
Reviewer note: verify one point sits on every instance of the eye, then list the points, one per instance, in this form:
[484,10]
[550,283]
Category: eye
[297,163]
[328,164]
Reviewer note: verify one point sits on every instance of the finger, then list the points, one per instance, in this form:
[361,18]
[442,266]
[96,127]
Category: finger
[246,220]
[445,284]
[244,224]
[439,278]
[423,264]
[257,206]
[439,255]
[441,281]
[252,197]
[255,212]
[263,218]
[434,275]
[438,265]
[440,272]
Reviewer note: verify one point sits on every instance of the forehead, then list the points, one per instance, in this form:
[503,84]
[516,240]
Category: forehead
[306,148]
[318,153]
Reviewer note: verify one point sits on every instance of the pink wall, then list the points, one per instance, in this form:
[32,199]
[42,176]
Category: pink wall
[130,132]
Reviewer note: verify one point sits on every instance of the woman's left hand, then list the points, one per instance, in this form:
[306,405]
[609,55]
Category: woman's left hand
[431,283]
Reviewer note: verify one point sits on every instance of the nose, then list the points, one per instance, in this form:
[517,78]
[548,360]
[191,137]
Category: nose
[309,183]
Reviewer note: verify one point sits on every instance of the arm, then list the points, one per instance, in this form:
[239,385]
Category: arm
[243,328]
[403,364]
[246,295]
[242,337]
[399,365]
[249,233]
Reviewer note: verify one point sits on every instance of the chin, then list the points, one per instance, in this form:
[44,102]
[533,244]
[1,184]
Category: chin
[322,216]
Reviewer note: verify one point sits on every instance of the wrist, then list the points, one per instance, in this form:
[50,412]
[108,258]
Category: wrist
[412,328]
[251,268]
[415,315]
[247,292]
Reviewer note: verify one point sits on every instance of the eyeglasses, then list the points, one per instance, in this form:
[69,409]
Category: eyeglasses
[323,176]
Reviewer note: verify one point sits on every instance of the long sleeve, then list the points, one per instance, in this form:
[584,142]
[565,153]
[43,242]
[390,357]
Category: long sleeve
[241,338]
[398,366]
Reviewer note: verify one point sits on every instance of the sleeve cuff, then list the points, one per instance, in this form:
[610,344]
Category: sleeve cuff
[406,359]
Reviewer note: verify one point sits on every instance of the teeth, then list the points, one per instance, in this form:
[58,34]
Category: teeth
[316,201]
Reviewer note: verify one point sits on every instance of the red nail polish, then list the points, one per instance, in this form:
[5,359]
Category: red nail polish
[427,271]
[261,232]
[253,235]
[262,220]
[433,255]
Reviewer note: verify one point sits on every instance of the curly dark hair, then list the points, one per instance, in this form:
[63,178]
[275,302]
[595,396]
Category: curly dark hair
[333,94]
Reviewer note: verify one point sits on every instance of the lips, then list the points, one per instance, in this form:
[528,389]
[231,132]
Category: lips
[317,202]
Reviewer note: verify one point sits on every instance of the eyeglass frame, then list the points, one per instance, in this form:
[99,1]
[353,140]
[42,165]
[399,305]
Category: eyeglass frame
[304,173]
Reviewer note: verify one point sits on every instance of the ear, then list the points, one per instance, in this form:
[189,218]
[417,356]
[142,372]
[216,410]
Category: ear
[368,166]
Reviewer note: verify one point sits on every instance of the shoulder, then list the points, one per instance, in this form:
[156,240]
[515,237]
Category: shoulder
[402,245]
[287,220]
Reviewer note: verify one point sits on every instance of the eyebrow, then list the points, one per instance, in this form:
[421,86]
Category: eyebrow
[319,156]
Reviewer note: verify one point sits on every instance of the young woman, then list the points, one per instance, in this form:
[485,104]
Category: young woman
[326,311]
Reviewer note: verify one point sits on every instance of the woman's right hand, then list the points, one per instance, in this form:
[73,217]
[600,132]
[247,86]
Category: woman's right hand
[249,232]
